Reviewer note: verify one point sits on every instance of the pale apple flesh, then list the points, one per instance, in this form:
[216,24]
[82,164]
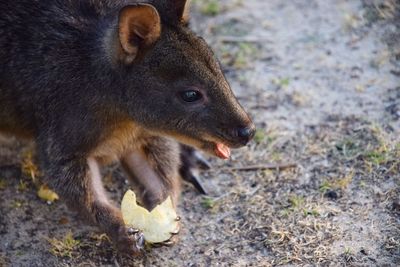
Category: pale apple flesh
[157,226]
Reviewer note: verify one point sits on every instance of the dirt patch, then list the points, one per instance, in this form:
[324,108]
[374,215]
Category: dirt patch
[321,79]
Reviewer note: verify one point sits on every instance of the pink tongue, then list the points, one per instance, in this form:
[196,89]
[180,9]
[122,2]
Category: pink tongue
[222,151]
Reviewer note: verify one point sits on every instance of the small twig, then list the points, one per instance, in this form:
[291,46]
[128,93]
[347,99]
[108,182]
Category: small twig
[262,167]
[254,191]
[243,39]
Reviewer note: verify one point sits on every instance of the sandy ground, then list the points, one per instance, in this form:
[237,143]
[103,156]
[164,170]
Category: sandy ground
[322,81]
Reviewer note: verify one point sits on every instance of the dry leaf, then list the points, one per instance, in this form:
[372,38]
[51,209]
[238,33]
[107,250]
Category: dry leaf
[47,194]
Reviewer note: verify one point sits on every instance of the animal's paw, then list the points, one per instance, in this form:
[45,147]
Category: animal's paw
[130,241]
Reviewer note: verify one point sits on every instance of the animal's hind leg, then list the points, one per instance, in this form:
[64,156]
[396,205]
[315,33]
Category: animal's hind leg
[154,169]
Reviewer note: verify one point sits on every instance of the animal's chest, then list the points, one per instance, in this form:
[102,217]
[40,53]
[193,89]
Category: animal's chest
[123,138]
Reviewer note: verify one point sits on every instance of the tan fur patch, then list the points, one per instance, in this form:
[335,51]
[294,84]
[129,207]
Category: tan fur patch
[187,140]
[125,137]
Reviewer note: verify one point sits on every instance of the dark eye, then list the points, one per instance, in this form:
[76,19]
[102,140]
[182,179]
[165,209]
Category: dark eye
[191,96]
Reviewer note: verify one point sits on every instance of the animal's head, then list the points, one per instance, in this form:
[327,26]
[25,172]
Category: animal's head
[176,82]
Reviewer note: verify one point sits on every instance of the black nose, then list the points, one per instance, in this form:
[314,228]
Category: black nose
[246,133]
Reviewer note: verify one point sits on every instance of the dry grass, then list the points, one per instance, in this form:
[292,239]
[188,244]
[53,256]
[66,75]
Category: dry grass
[64,247]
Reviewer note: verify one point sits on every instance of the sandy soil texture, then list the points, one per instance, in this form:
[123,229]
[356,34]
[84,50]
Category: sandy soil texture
[320,184]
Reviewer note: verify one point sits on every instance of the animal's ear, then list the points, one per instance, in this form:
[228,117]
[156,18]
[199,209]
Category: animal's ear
[139,27]
[182,9]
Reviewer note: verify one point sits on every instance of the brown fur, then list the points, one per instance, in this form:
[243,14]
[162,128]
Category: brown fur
[95,81]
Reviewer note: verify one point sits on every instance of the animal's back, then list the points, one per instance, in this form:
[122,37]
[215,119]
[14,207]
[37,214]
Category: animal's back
[15,19]
[24,39]
[38,37]
[45,45]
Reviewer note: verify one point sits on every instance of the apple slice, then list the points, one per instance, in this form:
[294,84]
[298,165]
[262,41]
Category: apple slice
[157,226]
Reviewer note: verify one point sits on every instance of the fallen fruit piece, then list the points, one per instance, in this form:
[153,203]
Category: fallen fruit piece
[157,226]
[47,194]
